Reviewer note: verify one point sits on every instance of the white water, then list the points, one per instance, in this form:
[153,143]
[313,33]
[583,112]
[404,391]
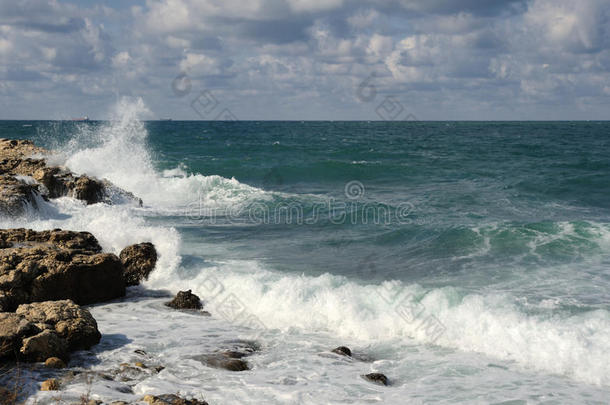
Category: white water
[563,357]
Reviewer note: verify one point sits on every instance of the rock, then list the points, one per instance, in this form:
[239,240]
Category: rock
[170,399]
[56,265]
[139,364]
[138,260]
[343,351]
[185,300]
[376,378]
[87,189]
[52,384]
[16,196]
[222,360]
[54,362]
[36,332]
[44,345]
[16,192]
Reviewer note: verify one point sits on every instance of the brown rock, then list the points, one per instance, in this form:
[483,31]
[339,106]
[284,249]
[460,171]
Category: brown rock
[52,384]
[16,196]
[138,261]
[376,378]
[54,362]
[44,345]
[185,300]
[55,265]
[343,351]
[87,189]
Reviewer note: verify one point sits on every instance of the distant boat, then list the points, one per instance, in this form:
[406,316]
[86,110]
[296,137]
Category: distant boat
[82,119]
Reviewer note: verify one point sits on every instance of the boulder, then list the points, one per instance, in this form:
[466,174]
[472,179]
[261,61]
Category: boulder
[16,196]
[376,378]
[138,261]
[54,362]
[46,330]
[87,189]
[185,300]
[343,351]
[52,384]
[43,330]
[55,265]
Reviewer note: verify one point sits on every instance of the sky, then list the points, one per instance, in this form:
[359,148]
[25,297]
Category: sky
[307,59]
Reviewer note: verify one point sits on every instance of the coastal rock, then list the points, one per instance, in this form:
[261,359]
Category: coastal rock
[376,378]
[343,351]
[170,399]
[44,330]
[55,265]
[16,196]
[185,300]
[138,261]
[22,176]
[52,384]
[54,362]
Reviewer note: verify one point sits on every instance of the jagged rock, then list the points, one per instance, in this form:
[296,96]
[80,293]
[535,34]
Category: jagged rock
[44,345]
[343,351]
[21,175]
[170,399]
[376,378]
[36,332]
[54,265]
[138,261]
[16,195]
[54,362]
[185,300]
[52,384]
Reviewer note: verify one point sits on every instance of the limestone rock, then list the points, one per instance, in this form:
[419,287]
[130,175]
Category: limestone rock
[139,261]
[185,300]
[52,384]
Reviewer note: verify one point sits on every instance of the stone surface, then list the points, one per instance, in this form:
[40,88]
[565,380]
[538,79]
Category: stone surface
[376,378]
[138,261]
[170,399]
[55,265]
[24,174]
[54,362]
[185,300]
[38,331]
[343,351]
[52,384]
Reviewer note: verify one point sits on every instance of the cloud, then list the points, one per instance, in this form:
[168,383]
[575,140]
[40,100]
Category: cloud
[305,59]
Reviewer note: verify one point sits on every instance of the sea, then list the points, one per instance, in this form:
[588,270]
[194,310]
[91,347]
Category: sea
[469,262]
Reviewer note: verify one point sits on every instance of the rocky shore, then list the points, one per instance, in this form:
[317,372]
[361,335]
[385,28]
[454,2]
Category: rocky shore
[46,276]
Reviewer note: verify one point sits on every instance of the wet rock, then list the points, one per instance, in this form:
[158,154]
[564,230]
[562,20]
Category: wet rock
[376,378]
[170,399]
[36,332]
[55,265]
[138,260]
[185,300]
[54,362]
[52,384]
[219,360]
[343,351]
[17,161]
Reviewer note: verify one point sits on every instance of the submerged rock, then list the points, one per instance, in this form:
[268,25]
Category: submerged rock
[138,261]
[52,384]
[343,351]
[185,300]
[220,360]
[54,362]
[44,330]
[376,378]
[170,399]
[55,265]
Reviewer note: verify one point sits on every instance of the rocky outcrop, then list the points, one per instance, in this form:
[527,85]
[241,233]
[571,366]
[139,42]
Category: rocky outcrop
[138,260]
[24,175]
[39,331]
[185,300]
[55,265]
[170,399]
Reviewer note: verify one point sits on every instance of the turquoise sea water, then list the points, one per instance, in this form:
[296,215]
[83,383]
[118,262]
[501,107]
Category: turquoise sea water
[499,232]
